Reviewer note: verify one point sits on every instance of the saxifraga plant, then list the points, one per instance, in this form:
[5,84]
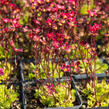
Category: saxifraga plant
[56,95]
[7,96]
[97,94]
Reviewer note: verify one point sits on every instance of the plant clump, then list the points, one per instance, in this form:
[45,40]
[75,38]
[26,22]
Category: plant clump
[7,97]
[55,96]
[98,95]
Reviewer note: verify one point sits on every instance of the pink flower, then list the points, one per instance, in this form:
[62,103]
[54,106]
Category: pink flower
[36,30]
[50,35]
[11,5]
[72,2]
[36,21]
[72,22]
[1,71]
[13,21]
[31,35]
[6,29]
[6,20]
[3,2]
[25,29]
[50,88]
[59,37]
[66,47]
[53,10]
[17,50]
[75,65]
[49,21]
[11,43]
[55,44]
[64,15]
[17,25]
[60,7]
[92,13]
[94,29]
[36,38]
[65,68]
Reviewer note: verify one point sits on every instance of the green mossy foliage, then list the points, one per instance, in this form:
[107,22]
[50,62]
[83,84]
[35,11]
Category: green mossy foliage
[52,72]
[7,97]
[84,9]
[101,99]
[100,67]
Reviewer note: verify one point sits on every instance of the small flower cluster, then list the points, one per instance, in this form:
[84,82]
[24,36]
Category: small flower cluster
[10,25]
[68,68]
[50,88]
[1,71]
[95,28]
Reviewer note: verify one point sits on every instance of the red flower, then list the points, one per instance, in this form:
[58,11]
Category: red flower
[59,37]
[49,21]
[31,35]
[107,72]
[17,25]
[94,29]
[50,35]
[78,63]
[3,2]
[11,5]
[83,43]
[6,30]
